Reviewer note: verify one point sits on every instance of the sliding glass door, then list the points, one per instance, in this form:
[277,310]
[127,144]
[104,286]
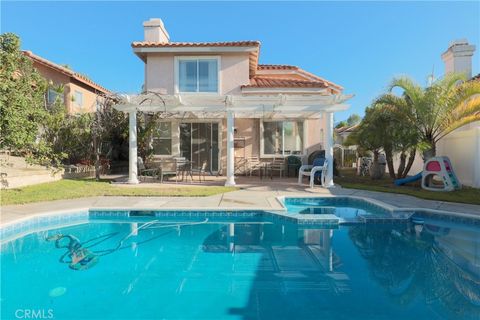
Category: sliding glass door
[199,143]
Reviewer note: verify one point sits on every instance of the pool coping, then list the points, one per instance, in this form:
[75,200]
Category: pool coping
[62,218]
[389,207]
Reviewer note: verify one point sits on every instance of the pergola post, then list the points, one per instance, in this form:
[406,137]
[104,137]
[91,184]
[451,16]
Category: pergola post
[132,147]
[230,151]
[329,149]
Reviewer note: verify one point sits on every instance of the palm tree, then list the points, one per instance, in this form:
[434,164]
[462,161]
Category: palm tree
[437,110]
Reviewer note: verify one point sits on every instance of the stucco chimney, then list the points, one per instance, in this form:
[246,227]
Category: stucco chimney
[155,31]
[458,57]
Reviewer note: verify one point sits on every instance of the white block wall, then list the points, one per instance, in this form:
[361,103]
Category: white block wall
[463,148]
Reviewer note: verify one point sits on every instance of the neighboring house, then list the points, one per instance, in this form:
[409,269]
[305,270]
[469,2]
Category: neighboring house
[345,156]
[462,146]
[80,94]
[218,103]
[342,133]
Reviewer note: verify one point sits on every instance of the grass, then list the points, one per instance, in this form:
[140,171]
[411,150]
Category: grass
[71,189]
[350,180]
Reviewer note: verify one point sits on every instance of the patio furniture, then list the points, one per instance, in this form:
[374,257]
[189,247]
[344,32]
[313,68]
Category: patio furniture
[319,167]
[202,171]
[241,165]
[314,155]
[276,165]
[174,167]
[293,163]
[183,166]
[254,164]
[145,172]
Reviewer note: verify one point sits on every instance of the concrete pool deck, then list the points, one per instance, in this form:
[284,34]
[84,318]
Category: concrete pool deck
[251,196]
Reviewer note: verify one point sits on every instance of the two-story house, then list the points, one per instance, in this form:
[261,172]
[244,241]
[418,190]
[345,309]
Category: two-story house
[77,92]
[218,103]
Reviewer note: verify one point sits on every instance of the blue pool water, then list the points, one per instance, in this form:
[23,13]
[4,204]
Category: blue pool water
[251,269]
[348,209]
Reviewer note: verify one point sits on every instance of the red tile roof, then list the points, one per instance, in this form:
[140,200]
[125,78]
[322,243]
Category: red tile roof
[347,128]
[274,80]
[307,76]
[253,59]
[276,67]
[66,71]
[146,44]
[268,82]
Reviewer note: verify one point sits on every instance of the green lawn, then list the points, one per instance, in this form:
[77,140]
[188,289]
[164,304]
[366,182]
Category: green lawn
[71,189]
[348,179]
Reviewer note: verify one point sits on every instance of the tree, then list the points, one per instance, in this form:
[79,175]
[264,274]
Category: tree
[437,110]
[22,99]
[110,127]
[381,129]
[341,124]
[147,123]
[398,138]
[370,136]
[353,119]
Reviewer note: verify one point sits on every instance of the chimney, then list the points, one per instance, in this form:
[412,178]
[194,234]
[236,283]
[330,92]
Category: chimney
[155,31]
[458,57]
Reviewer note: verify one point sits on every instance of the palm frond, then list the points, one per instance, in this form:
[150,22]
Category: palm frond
[469,107]
[457,124]
[410,88]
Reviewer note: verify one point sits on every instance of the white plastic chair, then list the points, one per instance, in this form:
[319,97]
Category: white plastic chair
[308,170]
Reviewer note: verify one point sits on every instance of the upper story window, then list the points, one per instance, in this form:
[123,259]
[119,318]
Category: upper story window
[197,74]
[53,95]
[78,98]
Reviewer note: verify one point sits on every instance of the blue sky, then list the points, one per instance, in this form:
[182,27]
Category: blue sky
[359,45]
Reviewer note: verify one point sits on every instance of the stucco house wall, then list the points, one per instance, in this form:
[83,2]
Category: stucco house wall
[57,75]
[160,72]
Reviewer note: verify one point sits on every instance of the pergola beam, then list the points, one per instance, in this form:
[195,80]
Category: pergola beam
[279,106]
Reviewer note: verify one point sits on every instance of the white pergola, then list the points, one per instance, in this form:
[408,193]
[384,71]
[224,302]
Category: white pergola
[266,106]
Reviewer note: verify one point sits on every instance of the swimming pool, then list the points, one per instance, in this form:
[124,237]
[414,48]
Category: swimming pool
[241,265]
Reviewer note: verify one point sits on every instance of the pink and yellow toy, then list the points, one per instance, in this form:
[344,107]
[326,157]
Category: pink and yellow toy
[442,168]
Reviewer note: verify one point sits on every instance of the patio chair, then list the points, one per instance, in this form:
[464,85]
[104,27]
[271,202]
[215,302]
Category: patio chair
[174,167]
[277,165]
[143,171]
[293,162]
[202,171]
[318,168]
[167,168]
[314,155]
[254,164]
[183,166]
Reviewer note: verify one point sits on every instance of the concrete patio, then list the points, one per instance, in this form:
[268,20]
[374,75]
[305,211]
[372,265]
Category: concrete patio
[253,193]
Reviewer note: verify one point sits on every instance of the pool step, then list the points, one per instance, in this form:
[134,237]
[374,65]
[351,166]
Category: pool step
[391,217]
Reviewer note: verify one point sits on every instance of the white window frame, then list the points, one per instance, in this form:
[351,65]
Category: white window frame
[177,60]
[60,95]
[75,98]
[262,142]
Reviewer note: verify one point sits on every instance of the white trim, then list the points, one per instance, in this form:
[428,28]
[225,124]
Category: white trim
[132,148]
[283,155]
[253,90]
[177,59]
[230,181]
[196,49]
[75,102]
[219,138]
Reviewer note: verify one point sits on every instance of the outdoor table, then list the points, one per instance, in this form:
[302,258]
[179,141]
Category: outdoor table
[181,166]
